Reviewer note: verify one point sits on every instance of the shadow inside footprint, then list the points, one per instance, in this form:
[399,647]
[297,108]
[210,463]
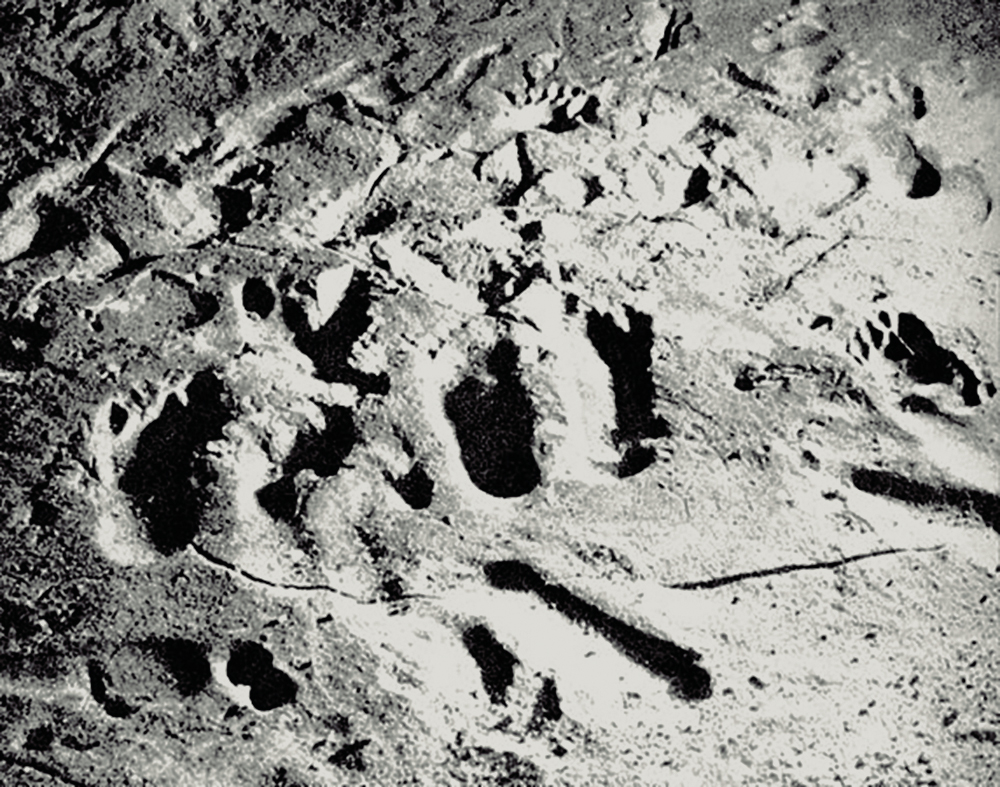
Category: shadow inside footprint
[323,452]
[926,181]
[59,228]
[251,664]
[920,493]
[628,358]
[330,347]
[164,476]
[495,425]
[258,298]
[416,487]
[915,350]
[185,661]
[661,657]
[496,663]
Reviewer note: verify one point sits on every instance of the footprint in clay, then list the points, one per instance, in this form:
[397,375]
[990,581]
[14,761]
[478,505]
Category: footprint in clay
[801,25]
[927,377]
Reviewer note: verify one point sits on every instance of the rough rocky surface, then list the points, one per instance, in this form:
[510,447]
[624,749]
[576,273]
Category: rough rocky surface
[499,393]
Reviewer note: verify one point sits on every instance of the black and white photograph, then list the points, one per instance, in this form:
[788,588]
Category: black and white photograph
[499,393]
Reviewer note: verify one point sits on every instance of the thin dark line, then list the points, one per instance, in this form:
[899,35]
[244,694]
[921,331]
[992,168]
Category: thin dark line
[270,583]
[707,584]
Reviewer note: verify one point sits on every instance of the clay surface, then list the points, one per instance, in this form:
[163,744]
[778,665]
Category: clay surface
[499,393]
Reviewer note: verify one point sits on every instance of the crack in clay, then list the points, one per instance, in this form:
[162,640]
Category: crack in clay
[235,569]
[717,582]
[232,567]
[811,264]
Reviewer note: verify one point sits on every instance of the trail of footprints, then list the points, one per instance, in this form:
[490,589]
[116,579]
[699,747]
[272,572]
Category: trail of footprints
[162,490]
[170,480]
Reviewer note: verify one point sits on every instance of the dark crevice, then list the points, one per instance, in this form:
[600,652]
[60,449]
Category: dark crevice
[862,344]
[234,208]
[547,705]
[718,582]
[379,220]
[561,121]
[186,661]
[918,404]
[129,266]
[117,418]
[735,73]
[494,425]
[628,357]
[117,243]
[888,484]
[667,37]
[323,452]
[593,190]
[926,181]
[289,128]
[894,350]
[697,187]
[504,286]
[330,347]
[875,334]
[165,476]
[495,662]
[635,458]
[206,306]
[529,177]
[416,487]
[438,73]
[661,657]
[218,561]
[258,297]
[280,498]
[162,169]
[59,227]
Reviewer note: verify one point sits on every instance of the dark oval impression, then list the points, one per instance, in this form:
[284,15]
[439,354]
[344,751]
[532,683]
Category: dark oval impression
[247,660]
[186,661]
[272,689]
[495,426]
